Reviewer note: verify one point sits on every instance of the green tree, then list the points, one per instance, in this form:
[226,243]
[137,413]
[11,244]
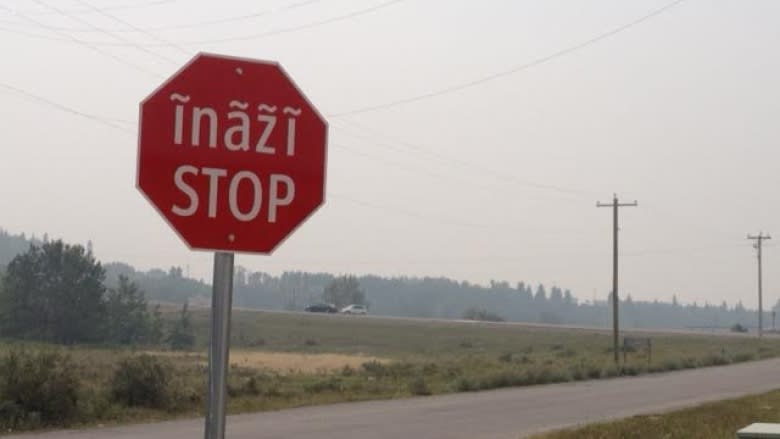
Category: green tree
[156,326]
[541,295]
[182,336]
[568,299]
[344,290]
[128,319]
[556,296]
[53,292]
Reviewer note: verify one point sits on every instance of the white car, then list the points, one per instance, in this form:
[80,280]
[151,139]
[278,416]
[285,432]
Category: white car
[354,309]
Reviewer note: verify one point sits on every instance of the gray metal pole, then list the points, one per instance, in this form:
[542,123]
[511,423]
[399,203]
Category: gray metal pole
[219,345]
[615,325]
[760,295]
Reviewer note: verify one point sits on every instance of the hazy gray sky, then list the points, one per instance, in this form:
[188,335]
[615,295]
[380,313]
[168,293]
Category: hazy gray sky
[495,181]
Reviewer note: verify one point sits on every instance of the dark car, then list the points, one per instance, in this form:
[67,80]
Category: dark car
[321,307]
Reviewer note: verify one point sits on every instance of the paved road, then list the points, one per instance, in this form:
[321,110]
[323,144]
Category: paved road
[507,413]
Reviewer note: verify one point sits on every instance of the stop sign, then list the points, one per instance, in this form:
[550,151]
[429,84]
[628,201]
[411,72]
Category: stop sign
[231,154]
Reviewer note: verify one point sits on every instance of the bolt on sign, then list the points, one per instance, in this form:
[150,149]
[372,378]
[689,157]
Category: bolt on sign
[232,154]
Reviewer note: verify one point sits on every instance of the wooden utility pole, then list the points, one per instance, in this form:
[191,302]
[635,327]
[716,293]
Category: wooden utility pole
[758,245]
[615,204]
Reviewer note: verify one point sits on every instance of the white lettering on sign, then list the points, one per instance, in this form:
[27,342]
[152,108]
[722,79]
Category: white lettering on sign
[274,201]
[237,130]
[281,192]
[257,190]
[270,122]
[214,174]
[178,179]
[242,129]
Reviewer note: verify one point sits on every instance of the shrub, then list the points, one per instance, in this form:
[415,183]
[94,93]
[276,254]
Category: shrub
[479,314]
[401,369]
[505,357]
[566,353]
[632,370]
[464,384]
[418,386]
[37,389]
[181,396]
[714,360]
[430,368]
[550,375]
[375,368]
[251,387]
[671,365]
[765,352]
[332,384]
[594,372]
[347,371]
[496,380]
[142,381]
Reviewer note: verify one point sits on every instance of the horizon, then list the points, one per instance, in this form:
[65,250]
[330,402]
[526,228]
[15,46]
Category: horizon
[580,300]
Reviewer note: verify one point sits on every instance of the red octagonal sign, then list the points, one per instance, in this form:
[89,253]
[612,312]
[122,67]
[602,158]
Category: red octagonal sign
[232,154]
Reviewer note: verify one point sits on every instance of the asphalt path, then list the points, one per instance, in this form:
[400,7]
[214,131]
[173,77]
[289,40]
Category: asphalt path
[499,414]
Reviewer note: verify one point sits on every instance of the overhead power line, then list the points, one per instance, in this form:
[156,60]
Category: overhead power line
[190,25]
[470,165]
[128,6]
[79,41]
[517,69]
[132,26]
[255,36]
[412,169]
[113,123]
[411,213]
[118,37]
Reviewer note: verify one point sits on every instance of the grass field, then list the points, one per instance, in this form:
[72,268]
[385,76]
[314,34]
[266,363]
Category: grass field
[282,360]
[709,421]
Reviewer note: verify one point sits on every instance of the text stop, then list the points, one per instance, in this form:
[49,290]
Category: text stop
[280,192]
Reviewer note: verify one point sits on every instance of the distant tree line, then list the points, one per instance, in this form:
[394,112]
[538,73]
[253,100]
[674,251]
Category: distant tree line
[417,297]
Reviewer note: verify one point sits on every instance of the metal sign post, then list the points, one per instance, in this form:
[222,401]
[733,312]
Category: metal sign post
[219,345]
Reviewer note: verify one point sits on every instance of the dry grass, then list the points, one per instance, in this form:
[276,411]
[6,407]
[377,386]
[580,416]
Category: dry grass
[297,362]
[281,362]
